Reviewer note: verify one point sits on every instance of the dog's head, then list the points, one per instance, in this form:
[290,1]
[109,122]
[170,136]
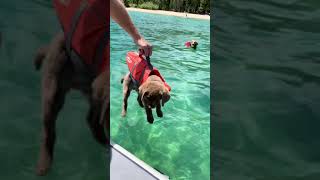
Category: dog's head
[194,44]
[153,93]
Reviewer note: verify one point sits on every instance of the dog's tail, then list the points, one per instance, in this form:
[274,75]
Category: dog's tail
[38,60]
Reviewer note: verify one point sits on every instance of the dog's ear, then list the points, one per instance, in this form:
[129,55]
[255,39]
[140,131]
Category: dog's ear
[141,90]
[165,96]
[143,93]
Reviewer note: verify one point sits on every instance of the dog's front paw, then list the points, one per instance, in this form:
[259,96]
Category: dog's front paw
[41,171]
[159,114]
[43,166]
[150,119]
[123,113]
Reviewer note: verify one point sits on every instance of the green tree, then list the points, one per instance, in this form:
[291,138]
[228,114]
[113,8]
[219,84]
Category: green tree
[126,3]
[190,6]
[204,6]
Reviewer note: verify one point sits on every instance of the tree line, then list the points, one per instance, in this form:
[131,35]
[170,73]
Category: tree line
[190,6]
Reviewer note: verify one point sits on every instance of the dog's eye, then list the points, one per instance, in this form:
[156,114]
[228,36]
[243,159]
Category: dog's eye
[148,97]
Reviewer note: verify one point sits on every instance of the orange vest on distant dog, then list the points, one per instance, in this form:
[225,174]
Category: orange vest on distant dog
[140,69]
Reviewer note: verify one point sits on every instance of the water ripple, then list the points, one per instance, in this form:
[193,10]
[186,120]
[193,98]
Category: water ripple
[266,98]
[164,144]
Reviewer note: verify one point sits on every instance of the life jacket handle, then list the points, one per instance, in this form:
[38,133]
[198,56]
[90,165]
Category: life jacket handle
[141,52]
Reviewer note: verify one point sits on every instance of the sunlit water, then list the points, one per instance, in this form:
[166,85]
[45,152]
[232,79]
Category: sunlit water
[25,26]
[267,84]
[178,143]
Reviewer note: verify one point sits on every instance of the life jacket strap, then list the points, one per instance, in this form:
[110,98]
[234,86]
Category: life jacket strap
[136,83]
[83,75]
[98,60]
[74,23]
[75,58]
[149,63]
[142,75]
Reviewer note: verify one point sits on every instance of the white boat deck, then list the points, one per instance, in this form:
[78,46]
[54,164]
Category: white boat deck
[125,165]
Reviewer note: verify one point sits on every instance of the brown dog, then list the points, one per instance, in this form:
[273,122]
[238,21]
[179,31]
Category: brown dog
[151,94]
[194,44]
[58,77]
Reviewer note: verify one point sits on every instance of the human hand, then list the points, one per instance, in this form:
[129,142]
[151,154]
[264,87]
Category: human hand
[145,47]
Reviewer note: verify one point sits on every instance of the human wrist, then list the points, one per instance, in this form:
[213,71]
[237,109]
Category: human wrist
[136,37]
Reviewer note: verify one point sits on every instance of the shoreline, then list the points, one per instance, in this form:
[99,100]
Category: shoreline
[171,13]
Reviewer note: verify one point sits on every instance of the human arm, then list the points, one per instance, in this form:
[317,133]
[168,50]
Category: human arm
[120,15]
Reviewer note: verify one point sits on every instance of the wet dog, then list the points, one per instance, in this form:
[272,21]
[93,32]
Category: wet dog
[153,91]
[58,78]
[76,59]
[191,44]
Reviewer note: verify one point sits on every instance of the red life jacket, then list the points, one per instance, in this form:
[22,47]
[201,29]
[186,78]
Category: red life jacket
[92,23]
[187,44]
[140,70]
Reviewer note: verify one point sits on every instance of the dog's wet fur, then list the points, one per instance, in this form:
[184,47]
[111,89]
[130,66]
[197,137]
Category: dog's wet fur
[58,78]
[151,94]
[194,44]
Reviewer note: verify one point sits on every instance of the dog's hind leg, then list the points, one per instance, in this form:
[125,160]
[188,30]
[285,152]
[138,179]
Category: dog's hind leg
[40,55]
[99,96]
[52,102]
[126,93]
[53,95]
[93,119]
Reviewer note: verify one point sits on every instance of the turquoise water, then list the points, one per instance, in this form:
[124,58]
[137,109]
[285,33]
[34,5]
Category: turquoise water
[177,144]
[266,97]
[25,26]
